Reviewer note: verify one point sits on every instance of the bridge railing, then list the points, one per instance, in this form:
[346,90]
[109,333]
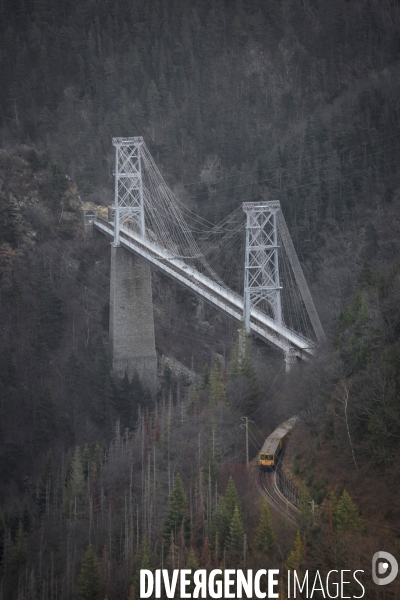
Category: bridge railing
[278,335]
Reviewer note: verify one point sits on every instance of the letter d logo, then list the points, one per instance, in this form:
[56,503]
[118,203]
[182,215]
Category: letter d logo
[382,567]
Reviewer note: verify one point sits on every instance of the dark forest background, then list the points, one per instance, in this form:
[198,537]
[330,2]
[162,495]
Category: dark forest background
[237,100]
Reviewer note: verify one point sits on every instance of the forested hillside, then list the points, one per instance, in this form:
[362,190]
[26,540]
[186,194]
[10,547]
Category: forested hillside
[294,100]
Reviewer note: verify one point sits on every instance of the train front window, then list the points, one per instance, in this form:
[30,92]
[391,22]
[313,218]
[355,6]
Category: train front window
[266,456]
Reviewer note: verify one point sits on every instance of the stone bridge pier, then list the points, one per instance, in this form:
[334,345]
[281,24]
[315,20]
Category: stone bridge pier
[132,340]
[131,333]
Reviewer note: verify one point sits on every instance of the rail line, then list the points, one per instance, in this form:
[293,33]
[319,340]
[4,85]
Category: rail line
[269,488]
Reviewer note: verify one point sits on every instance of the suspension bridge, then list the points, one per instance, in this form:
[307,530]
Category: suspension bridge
[246,266]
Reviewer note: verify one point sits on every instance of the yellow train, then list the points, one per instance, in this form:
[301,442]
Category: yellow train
[274,444]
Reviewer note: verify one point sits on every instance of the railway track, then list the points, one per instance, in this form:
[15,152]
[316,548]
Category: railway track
[285,503]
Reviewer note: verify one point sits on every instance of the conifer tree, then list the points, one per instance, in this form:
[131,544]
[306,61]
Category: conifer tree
[242,365]
[223,514]
[234,369]
[142,561]
[346,515]
[234,541]
[282,590]
[217,385]
[249,372]
[265,539]
[304,517]
[193,565]
[176,515]
[231,497]
[205,380]
[295,558]
[89,581]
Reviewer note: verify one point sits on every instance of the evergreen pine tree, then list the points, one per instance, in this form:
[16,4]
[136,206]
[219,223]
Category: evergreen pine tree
[253,390]
[346,515]
[193,565]
[89,581]
[142,561]
[217,385]
[265,539]
[304,516]
[242,365]
[282,590]
[234,541]
[295,558]
[231,497]
[234,369]
[205,380]
[223,514]
[176,515]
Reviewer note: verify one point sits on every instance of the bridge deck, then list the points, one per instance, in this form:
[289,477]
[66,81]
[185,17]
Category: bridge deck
[227,301]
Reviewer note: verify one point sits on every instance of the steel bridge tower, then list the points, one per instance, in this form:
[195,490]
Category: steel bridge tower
[132,340]
[262,286]
[128,185]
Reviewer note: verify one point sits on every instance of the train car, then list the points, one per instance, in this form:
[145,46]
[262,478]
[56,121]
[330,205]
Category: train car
[274,444]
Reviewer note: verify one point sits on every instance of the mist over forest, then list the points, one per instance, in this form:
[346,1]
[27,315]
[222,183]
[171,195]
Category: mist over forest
[237,101]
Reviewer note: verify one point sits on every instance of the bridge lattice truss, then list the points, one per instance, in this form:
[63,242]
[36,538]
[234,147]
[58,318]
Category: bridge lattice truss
[150,221]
